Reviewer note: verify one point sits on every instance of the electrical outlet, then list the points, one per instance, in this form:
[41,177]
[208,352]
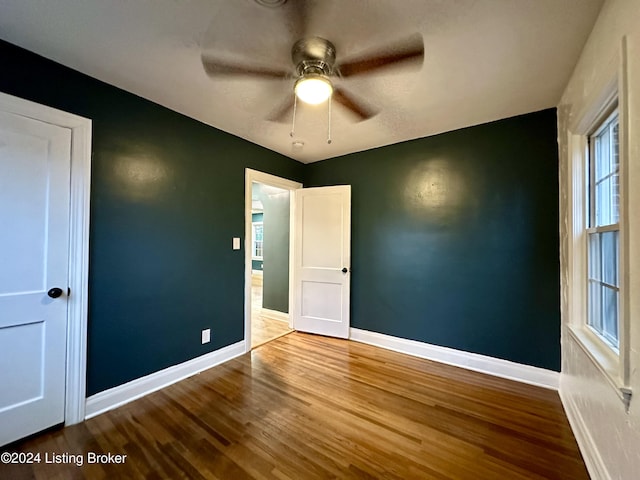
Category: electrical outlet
[206,335]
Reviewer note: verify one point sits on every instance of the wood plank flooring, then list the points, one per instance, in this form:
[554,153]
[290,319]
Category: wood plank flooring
[263,329]
[309,407]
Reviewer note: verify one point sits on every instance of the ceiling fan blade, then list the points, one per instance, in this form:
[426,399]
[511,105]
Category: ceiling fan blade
[283,113]
[409,50]
[357,107]
[215,67]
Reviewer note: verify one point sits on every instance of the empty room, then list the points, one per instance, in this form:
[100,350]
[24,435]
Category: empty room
[313,239]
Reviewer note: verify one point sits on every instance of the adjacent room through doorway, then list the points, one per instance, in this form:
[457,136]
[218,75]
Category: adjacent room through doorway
[270,229]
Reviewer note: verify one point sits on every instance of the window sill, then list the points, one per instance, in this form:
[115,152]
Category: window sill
[607,362]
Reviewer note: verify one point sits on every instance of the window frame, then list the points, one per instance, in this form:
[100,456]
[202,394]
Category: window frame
[253,240]
[604,122]
[609,90]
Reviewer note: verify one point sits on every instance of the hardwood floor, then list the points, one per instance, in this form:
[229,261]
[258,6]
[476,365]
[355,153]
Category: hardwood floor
[307,407]
[263,328]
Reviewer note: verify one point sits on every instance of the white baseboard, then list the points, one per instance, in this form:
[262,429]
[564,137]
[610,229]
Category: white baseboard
[117,396]
[472,361]
[590,453]
[275,315]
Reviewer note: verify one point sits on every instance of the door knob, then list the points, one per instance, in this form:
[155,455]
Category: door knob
[55,292]
[345,270]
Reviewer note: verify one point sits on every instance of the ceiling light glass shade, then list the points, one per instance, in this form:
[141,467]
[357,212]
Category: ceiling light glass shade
[313,89]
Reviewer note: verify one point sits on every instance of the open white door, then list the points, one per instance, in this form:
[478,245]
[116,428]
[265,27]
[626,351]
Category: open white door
[34,269]
[322,259]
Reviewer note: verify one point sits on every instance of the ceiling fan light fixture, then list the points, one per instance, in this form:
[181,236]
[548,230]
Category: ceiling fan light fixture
[313,88]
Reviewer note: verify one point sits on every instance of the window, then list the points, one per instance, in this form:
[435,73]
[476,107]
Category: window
[258,238]
[594,230]
[603,231]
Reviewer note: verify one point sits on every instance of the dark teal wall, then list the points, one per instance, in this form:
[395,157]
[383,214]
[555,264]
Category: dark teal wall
[455,238]
[256,264]
[275,280]
[167,197]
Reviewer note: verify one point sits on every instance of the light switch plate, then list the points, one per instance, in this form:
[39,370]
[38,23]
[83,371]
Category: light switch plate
[236,243]
[206,335]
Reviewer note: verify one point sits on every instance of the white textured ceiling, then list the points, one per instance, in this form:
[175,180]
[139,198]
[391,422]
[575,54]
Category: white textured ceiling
[484,60]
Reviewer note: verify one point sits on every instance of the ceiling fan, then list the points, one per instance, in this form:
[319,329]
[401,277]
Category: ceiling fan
[316,70]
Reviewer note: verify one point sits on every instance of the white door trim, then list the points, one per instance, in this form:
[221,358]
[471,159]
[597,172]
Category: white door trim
[273,181]
[80,127]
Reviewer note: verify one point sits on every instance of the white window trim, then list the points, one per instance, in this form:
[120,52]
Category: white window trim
[601,123]
[601,102]
[253,240]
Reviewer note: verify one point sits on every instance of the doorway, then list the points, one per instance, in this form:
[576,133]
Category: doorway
[268,240]
[270,211]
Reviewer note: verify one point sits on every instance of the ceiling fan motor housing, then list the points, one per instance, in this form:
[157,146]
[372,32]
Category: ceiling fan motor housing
[313,55]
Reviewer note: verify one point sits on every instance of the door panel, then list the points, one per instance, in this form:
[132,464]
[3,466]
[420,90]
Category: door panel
[322,230]
[22,256]
[323,250]
[34,253]
[26,381]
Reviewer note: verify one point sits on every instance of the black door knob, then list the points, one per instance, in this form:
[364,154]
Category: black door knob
[55,292]
[345,270]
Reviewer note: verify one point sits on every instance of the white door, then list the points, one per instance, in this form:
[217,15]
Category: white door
[322,260]
[34,250]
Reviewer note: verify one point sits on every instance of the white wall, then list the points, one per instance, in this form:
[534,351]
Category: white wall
[608,436]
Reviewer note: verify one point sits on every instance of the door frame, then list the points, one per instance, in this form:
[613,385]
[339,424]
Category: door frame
[80,187]
[273,181]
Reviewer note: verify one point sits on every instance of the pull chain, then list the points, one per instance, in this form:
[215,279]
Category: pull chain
[293,123]
[329,120]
